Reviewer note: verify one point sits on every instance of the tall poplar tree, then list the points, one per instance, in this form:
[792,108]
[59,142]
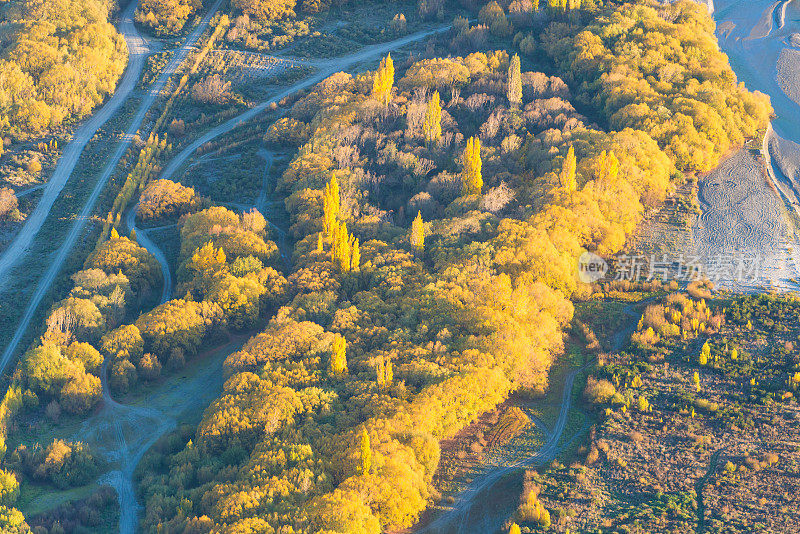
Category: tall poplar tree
[568,180]
[432,127]
[471,179]
[366,453]
[331,204]
[339,356]
[418,233]
[384,81]
[515,82]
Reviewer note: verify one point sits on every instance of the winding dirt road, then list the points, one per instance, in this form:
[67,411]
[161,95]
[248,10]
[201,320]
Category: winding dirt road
[134,40]
[326,68]
[143,239]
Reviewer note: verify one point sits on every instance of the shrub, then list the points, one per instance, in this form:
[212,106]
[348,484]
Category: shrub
[599,391]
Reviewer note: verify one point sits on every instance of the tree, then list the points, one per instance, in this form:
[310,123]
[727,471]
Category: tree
[471,179]
[432,127]
[338,356]
[9,488]
[514,82]
[514,529]
[704,354]
[568,170]
[331,205]
[345,251]
[355,256]
[418,233]
[366,453]
[384,81]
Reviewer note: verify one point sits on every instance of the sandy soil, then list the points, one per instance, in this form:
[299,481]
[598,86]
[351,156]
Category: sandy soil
[743,237]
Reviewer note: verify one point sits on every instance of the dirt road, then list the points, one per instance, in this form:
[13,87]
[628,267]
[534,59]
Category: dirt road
[77,228]
[123,433]
[144,240]
[326,68]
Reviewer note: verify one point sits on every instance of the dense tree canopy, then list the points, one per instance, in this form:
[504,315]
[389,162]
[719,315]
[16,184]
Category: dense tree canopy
[58,60]
[166,17]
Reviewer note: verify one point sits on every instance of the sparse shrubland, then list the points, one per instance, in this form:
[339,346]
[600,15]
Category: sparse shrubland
[701,413]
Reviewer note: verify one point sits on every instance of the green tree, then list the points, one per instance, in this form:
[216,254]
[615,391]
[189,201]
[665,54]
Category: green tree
[471,179]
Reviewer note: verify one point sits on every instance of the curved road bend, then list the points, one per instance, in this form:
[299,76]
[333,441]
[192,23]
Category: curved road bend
[69,241]
[144,240]
[137,51]
[326,68]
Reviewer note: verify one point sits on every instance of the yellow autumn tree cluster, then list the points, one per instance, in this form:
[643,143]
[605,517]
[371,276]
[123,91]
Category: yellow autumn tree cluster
[58,61]
[384,81]
[430,345]
[345,250]
[694,127]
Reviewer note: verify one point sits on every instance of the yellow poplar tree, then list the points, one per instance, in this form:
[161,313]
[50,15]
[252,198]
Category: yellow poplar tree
[418,233]
[471,179]
[608,167]
[366,453]
[114,233]
[568,171]
[355,257]
[514,529]
[514,82]
[339,356]
[383,81]
[345,251]
[432,127]
[331,205]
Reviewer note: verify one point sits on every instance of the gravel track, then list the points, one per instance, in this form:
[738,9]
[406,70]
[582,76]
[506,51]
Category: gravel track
[326,68]
[143,239]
